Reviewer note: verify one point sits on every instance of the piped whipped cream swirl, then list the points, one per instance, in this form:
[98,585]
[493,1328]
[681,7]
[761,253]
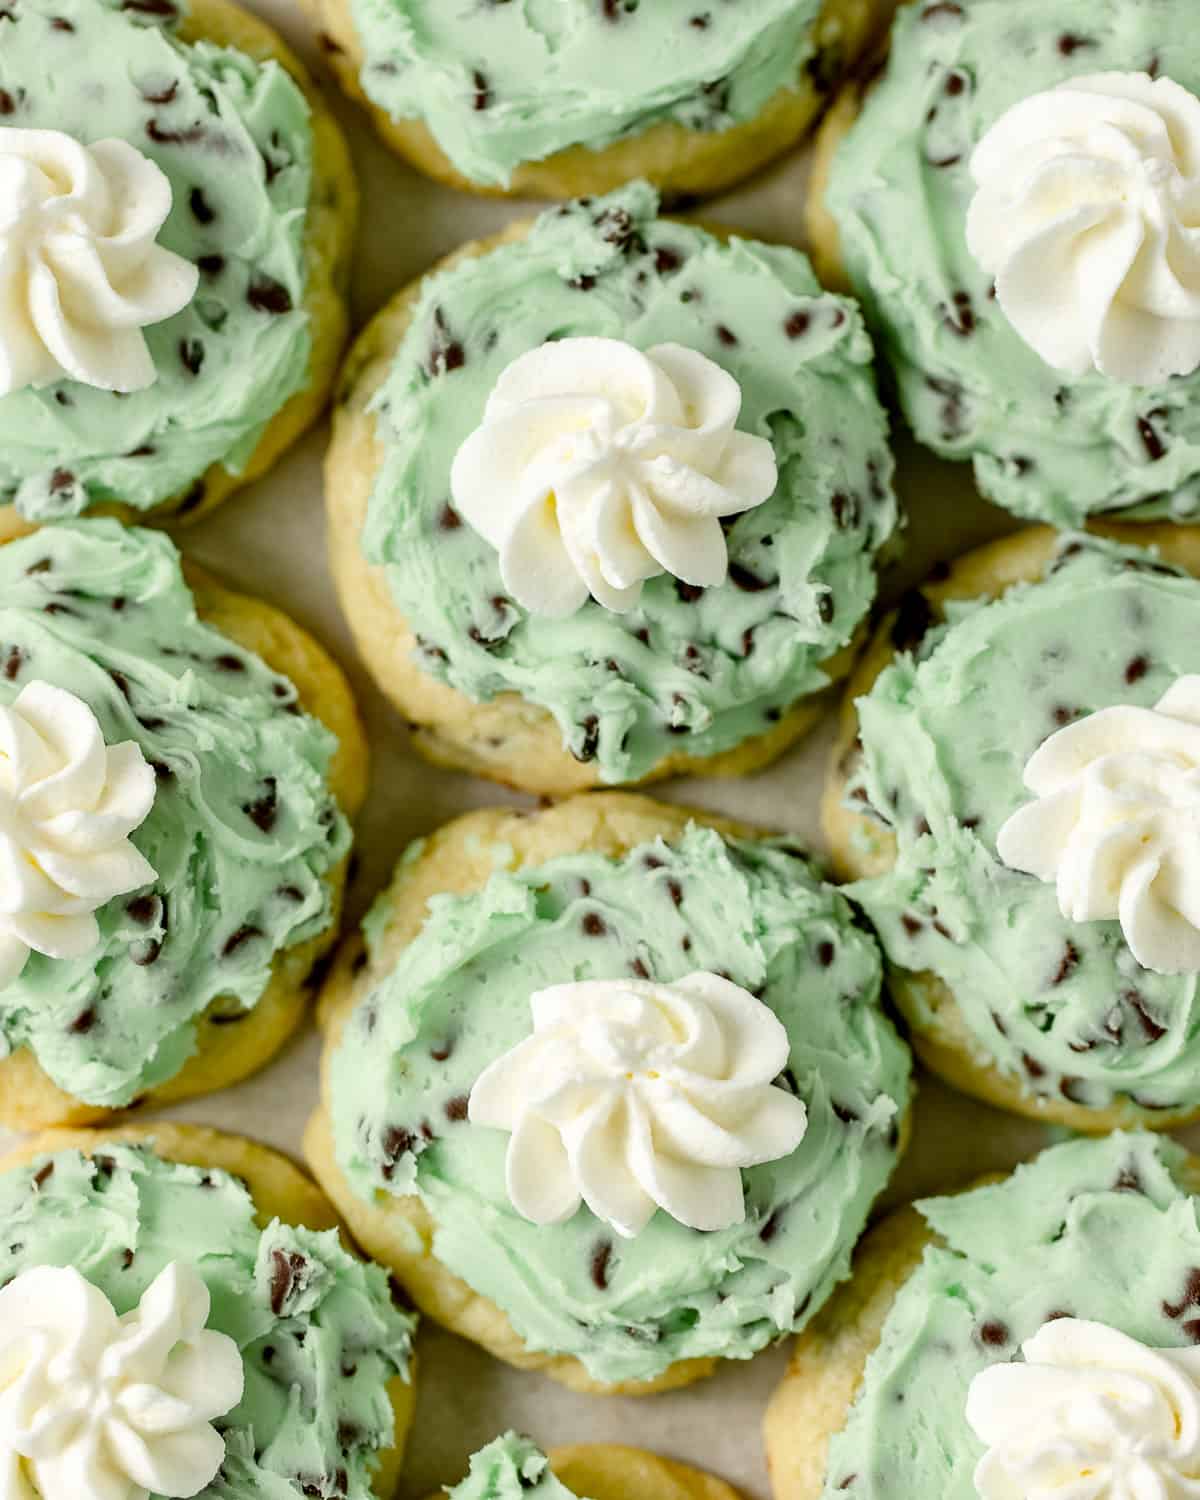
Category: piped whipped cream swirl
[68,803]
[1091,1414]
[632,1096]
[81,273]
[1087,212]
[1116,824]
[97,1407]
[597,467]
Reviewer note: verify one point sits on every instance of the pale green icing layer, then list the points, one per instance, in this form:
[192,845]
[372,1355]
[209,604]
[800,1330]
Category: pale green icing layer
[1102,1230]
[1062,1006]
[319,1334]
[1044,444]
[689,670]
[501,83]
[234,138]
[507,1468]
[242,833]
[459,997]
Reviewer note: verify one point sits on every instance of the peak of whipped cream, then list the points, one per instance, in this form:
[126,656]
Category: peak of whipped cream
[632,1096]
[81,273]
[99,1407]
[1116,824]
[1087,213]
[1090,1414]
[68,803]
[597,467]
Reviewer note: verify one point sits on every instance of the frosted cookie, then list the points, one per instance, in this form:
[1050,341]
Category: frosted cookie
[1011,794]
[1033,1337]
[1014,199]
[178,1316]
[178,764]
[721,1006]
[188,330]
[606,498]
[581,97]
[512,1467]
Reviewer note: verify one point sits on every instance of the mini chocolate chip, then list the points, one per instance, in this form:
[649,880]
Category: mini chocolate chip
[483,93]
[745,579]
[12,663]
[1191,1295]
[825,953]
[601,1257]
[1152,1028]
[456,1108]
[771,1226]
[1151,440]
[60,23]
[202,210]
[43,1175]
[211,265]
[263,811]
[8,105]
[591,739]
[286,1269]
[912,925]
[593,924]
[83,1022]
[448,518]
[1067,964]
[797,325]
[726,336]
[1137,669]
[265,294]
[229,663]
[666,260]
[1070,42]
[243,935]
[191,355]
[994,1333]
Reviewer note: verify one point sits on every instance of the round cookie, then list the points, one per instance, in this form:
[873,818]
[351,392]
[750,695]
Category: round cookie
[265,204]
[1095,1229]
[716,680]
[1018,1013]
[191,997]
[512,1466]
[492,103]
[887,212]
[256,1225]
[619,886]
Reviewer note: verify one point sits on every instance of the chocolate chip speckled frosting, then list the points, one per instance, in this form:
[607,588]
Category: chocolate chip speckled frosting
[233,137]
[319,1334]
[689,669]
[1102,1230]
[242,832]
[1061,1005]
[459,998]
[1044,444]
[508,1468]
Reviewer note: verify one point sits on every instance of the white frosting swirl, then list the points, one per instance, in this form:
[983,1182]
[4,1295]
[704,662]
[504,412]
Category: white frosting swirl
[631,1096]
[80,272]
[1088,215]
[68,803]
[1091,1415]
[1116,824]
[96,1407]
[597,467]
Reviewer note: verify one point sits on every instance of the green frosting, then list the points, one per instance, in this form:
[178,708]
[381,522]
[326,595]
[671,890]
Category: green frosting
[502,84]
[690,669]
[946,734]
[234,138]
[242,833]
[459,997]
[1103,1230]
[510,1468]
[319,1334]
[1043,443]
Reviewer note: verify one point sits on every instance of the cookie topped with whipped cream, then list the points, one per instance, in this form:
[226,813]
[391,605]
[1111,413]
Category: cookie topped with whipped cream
[177,209]
[513,1466]
[1018,205]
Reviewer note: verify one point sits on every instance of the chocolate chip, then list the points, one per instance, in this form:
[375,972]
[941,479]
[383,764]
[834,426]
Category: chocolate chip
[797,325]
[771,1226]
[156,94]
[263,811]
[8,105]
[1070,42]
[1151,440]
[286,1269]
[83,1022]
[456,1108]
[1191,1295]
[265,294]
[229,663]
[12,663]
[1152,1028]
[994,1334]
[1137,669]
[246,933]
[593,925]
[675,891]
[202,211]
[43,1175]
[599,1266]
[844,1112]
[448,518]
[667,261]
[745,579]
[483,93]
[912,925]
[726,336]
[191,355]
[443,1050]
[211,265]
[1067,964]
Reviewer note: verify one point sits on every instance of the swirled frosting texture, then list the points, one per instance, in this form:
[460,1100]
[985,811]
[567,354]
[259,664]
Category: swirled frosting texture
[631,1097]
[108,1408]
[458,999]
[1087,213]
[1094,1231]
[81,273]
[510,1468]
[1060,1004]
[506,84]
[1088,1414]
[597,467]
[242,834]
[233,139]
[316,1335]
[1048,443]
[689,668]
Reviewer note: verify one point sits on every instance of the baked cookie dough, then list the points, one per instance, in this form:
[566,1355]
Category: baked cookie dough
[328,1380]
[512,1466]
[1005,997]
[196,976]
[874,1402]
[552,102]
[717,680]
[888,214]
[610,887]
[262,201]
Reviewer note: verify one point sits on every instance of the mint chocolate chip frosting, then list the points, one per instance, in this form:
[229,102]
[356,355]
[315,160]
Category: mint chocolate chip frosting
[243,833]
[690,669]
[459,997]
[1043,443]
[510,1468]
[233,137]
[319,1334]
